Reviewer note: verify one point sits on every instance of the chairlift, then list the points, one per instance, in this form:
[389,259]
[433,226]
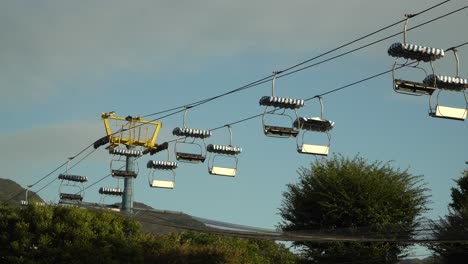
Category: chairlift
[109,192]
[71,186]
[412,51]
[417,54]
[314,124]
[225,152]
[190,138]
[276,108]
[448,83]
[157,173]
[119,162]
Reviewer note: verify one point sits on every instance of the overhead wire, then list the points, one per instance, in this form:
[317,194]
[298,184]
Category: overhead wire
[334,90]
[269,78]
[283,72]
[50,173]
[313,97]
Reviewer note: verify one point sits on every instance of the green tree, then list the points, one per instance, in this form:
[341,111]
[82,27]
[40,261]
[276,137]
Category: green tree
[454,227]
[56,234]
[350,196]
[203,248]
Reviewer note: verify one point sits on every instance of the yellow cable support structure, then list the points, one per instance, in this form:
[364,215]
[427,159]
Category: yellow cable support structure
[133,131]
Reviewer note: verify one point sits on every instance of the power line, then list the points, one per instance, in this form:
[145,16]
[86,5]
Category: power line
[50,173]
[283,72]
[269,78]
[308,99]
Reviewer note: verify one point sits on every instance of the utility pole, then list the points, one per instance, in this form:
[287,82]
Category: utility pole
[139,137]
[127,197]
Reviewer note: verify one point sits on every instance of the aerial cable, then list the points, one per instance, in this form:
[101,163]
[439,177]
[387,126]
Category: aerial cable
[259,115]
[283,74]
[268,78]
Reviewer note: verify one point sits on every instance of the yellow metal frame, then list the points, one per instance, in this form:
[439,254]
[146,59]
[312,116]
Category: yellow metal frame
[130,133]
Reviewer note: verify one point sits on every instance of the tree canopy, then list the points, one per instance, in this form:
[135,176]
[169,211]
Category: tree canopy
[454,226]
[350,196]
[57,234]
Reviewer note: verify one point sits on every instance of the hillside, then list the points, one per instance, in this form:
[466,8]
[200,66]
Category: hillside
[155,222]
[12,193]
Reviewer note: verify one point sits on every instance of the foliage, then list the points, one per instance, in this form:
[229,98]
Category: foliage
[57,234]
[352,196]
[43,234]
[454,227]
[195,247]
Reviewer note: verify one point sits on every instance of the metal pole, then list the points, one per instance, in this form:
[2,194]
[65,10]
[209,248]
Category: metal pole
[127,197]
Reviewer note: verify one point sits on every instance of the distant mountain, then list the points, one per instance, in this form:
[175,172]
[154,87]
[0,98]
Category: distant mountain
[12,193]
[161,222]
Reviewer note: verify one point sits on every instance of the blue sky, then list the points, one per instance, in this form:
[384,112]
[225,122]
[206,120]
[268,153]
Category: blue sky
[65,62]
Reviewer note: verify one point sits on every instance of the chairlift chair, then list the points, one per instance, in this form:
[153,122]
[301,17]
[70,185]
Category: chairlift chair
[225,152]
[448,83]
[315,124]
[188,137]
[71,186]
[157,169]
[109,192]
[119,161]
[417,54]
[276,107]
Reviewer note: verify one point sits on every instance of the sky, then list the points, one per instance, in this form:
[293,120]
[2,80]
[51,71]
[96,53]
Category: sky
[65,62]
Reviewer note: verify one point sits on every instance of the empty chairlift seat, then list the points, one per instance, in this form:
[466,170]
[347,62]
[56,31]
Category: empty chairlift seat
[275,116]
[272,104]
[71,186]
[119,161]
[227,152]
[448,112]
[155,176]
[187,137]
[416,53]
[315,124]
[450,84]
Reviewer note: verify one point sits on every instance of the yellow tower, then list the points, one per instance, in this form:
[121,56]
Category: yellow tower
[133,133]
